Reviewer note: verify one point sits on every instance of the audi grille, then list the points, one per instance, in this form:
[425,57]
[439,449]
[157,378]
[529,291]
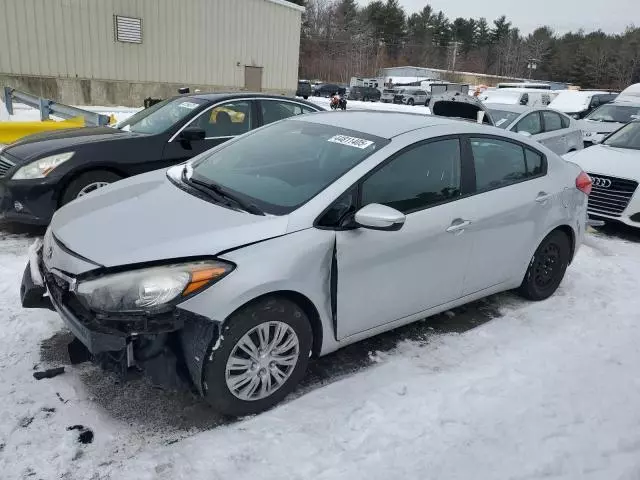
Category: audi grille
[610,195]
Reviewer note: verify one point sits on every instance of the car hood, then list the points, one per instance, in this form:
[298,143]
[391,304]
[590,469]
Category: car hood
[599,127]
[38,145]
[615,162]
[147,218]
[458,105]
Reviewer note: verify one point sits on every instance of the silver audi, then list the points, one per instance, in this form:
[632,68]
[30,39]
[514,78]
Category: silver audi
[302,237]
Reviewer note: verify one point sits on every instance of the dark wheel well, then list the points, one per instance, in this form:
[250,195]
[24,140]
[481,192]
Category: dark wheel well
[568,231]
[66,181]
[306,305]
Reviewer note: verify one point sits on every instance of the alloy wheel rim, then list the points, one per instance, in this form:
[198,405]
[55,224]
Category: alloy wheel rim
[547,265]
[91,188]
[262,361]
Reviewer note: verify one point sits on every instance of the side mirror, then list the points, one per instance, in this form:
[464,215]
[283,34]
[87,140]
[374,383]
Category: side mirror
[523,133]
[379,217]
[192,134]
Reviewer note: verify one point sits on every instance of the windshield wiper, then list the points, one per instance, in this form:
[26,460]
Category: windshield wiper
[220,194]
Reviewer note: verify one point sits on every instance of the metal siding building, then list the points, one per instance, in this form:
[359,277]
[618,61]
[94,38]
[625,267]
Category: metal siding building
[201,43]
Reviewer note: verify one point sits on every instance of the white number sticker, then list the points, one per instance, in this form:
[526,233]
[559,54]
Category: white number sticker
[351,141]
[189,105]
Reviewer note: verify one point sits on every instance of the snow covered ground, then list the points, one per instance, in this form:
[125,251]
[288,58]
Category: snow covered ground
[546,390]
[541,390]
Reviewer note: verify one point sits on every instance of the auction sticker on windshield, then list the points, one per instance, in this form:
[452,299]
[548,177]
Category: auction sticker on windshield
[351,141]
[189,105]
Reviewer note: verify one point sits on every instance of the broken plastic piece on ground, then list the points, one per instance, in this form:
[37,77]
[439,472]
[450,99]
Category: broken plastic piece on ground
[50,373]
[86,437]
[86,434]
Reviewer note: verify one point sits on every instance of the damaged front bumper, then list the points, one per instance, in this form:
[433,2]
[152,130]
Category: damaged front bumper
[134,339]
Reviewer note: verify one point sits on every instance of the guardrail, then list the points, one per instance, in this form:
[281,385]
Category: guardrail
[49,107]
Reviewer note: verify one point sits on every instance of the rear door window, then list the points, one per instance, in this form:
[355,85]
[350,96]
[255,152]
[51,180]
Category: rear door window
[274,110]
[552,121]
[530,124]
[499,163]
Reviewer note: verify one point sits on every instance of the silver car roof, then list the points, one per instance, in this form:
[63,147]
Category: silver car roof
[381,124]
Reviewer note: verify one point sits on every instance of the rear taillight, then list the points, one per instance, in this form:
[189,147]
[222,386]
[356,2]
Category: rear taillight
[583,183]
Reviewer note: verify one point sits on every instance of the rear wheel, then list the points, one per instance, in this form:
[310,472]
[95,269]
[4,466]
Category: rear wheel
[262,358]
[86,183]
[547,267]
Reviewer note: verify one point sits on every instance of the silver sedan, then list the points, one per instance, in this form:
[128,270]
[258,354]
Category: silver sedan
[555,130]
[302,237]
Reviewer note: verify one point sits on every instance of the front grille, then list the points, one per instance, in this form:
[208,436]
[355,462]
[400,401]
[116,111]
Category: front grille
[610,195]
[5,165]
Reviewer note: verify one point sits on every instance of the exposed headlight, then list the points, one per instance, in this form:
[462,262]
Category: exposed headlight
[150,288]
[42,167]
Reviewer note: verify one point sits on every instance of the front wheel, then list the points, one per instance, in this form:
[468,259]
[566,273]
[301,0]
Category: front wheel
[410,102]
[547,267]
[86,183]
[305,97]
[263,355]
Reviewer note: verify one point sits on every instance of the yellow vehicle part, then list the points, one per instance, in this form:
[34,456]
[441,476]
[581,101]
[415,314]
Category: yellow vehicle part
[13,131]
[236,117]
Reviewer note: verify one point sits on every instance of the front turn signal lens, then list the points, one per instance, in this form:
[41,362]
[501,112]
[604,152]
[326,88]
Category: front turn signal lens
[201,278]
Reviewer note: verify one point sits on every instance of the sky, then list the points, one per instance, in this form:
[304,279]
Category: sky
[611,16]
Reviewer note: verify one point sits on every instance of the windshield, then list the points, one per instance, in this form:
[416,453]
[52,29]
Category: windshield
[503,118]
[162,116]
[614,113]
[279,176]
[627,137]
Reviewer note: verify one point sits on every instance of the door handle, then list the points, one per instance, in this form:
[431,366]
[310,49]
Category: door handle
[458,225]
[543,197]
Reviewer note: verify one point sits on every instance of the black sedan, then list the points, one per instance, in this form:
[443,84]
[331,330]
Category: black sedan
[42,172]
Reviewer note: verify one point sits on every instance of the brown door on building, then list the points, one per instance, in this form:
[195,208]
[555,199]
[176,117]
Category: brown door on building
[253,79]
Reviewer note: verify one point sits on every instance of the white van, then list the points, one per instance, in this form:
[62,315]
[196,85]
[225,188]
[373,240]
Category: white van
[517,96]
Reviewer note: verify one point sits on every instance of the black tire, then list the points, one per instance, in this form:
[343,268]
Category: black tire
[365,99]
[547,267]
[269,309]
[410,102]
[85,179]
[305,97]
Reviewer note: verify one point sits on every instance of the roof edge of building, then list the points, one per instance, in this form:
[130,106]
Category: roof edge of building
[287,4]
